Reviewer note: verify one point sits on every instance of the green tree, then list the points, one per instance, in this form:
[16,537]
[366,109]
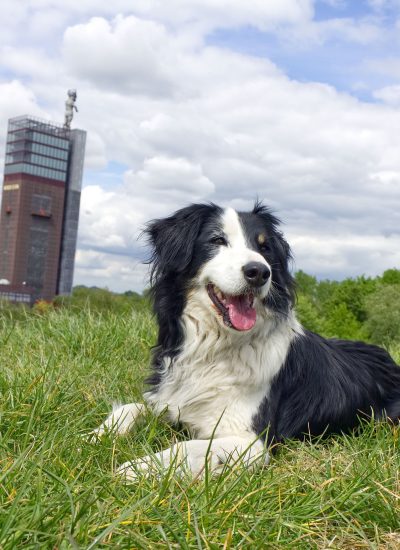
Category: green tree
[306,284]
[383,315]
[341,322]
[391,277]
[352,293]
[308,314]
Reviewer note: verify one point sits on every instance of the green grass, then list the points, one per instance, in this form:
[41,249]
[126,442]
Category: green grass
[60,374]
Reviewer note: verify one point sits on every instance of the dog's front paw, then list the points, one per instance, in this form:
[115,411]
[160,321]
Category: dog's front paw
[155,465]
[119,422]
[194,458]
[128,472]
[133,470]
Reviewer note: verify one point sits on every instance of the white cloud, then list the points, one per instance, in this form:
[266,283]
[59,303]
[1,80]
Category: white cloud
[48,21]
[141,57]
[209,13]
[311,33]
[170,179]
[127,54]
[95,154]
[28,62]
[228,13]
[389,66]
[357,255]
[113,220]
[16,99]
[389,94]
[43,20]
[105,219]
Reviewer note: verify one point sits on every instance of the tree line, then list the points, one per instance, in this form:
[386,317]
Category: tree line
[361,308]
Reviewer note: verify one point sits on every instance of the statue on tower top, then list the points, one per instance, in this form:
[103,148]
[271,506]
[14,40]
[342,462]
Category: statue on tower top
[69,108]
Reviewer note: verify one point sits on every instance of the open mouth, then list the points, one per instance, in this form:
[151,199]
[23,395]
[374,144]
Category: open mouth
[237,312]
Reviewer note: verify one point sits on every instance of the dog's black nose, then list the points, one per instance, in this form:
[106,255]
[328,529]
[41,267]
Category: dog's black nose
[256,273]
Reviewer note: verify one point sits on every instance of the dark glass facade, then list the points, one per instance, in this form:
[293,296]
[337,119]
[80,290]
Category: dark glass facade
[38,148]
[40,208]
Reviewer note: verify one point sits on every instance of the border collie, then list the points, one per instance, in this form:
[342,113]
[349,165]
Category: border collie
[232,363]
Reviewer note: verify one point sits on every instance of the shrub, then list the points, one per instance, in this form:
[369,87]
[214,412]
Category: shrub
[383,315]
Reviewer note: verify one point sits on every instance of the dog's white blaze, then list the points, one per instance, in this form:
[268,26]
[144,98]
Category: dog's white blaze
[233,228]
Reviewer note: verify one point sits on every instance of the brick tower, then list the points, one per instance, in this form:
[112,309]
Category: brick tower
[40,209]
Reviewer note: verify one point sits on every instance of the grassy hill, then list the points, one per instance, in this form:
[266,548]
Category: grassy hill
[61,371]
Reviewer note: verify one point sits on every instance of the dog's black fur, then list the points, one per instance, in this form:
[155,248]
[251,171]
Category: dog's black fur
[327,386]
[324,385]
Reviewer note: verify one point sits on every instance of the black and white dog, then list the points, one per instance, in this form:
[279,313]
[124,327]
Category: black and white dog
[232,363]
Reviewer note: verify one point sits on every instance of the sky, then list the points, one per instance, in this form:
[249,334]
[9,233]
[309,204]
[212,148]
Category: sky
[295,102]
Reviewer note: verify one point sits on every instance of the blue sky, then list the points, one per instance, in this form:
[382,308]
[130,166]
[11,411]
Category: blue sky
[294,101]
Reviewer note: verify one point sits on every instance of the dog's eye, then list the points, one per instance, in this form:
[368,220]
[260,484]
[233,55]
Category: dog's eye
[220,241]
[262,243]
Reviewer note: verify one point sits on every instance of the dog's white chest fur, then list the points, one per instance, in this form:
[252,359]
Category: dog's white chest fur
[216,384]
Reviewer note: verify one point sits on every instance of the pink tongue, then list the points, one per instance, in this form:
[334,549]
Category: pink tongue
[241,313]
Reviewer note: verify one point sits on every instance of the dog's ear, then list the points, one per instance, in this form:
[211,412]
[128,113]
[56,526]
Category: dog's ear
[173,239]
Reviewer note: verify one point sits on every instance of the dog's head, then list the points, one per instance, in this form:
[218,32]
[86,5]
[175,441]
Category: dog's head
[235,263]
